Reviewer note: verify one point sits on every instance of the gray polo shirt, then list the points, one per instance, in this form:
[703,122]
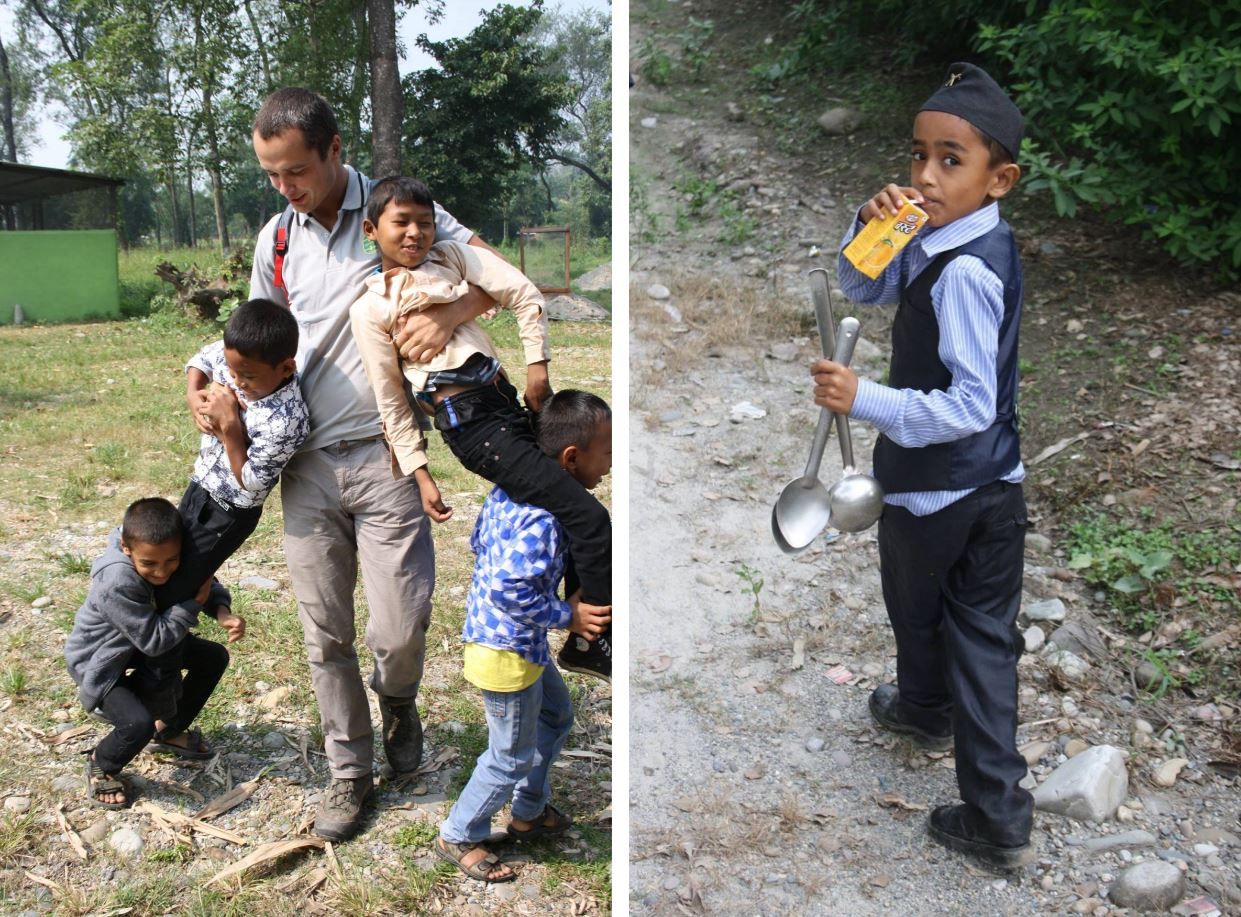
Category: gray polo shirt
[324,272]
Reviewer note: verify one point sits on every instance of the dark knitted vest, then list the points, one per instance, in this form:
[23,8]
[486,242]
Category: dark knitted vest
[982,457]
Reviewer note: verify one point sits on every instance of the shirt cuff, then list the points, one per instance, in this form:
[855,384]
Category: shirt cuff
[563,614]
[877,405]
[408,459]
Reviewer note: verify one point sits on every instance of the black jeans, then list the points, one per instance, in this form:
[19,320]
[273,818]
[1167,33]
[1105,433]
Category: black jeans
[136,701]
[212,535]
[952,586]
[490,433]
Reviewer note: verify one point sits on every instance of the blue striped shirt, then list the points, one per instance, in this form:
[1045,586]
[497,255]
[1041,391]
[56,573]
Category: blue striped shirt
[519,562]
[968,299]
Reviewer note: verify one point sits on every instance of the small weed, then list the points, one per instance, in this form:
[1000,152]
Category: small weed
[419,834]
[180,853]
[79,488]
[73,564]
[17,838]
[13,681]
[754,581]
[657,64]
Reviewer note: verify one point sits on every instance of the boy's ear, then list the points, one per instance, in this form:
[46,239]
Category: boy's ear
[1004,179]
[568,457]
[368,228]
[125,548]
[288,366]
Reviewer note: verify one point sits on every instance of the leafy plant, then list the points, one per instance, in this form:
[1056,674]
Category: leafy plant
[13,681]
[754,580]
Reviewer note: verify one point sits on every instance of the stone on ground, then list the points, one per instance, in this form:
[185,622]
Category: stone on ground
[1088,787]
[1150,886]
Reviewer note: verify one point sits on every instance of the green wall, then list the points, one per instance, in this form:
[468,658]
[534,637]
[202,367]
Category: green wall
[59,276]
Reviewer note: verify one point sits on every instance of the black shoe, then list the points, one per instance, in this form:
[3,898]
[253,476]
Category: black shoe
[885,707]
[340,813]
[402,734]
[953,827]
[587,657]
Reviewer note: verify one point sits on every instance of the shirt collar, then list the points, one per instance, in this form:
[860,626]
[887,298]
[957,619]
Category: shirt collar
[962,230]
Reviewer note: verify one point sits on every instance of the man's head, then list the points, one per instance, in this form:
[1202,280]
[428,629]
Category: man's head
[298,145]
[260,347]
[400,219]
[151,534]
[967,136]
[575,428]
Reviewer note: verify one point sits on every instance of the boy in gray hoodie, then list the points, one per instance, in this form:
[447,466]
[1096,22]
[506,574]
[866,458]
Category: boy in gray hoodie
[114,653]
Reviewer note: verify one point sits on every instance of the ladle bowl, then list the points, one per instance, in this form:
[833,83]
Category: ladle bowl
[856,502]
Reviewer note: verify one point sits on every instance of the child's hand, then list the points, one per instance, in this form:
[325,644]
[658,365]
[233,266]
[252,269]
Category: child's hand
[538,385]
[432,501]
[588,620]
[890,199]
[221,409]
[204,591]
[235,625]
[835,386]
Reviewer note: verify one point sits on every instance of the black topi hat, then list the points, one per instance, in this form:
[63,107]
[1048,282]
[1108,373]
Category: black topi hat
[970,93]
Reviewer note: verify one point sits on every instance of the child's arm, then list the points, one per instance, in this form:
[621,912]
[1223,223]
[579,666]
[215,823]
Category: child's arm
[423,333]
[270,434]
[223,417]
[588,620]
[512,290]
[884,289]
[525,590]
[126,603]
[968,300]
[429,493]
[372,331]
[197,379]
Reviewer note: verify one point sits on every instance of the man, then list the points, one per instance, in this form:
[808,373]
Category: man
[342,505]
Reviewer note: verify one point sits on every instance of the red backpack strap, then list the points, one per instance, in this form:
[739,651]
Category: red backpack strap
[281,248]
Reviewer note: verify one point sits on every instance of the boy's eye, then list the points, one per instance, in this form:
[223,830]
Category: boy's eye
[951,161]
[919,155]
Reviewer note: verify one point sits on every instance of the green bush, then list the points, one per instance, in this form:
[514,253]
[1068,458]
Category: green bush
[1135,109]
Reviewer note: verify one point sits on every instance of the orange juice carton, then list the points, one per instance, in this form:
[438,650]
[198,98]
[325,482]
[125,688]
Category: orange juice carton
[876,245]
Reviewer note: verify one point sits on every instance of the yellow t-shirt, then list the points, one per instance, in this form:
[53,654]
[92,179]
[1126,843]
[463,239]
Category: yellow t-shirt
[498,670]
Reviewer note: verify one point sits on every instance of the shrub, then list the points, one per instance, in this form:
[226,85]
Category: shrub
[1135,108]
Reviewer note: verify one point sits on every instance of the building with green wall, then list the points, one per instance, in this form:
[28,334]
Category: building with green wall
[54,275]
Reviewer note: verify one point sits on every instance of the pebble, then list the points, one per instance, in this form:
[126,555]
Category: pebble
[1149,886]
[658,291]
[41,602]
[1034,638]
[1116,841]
[1049,610]
[841,759]
[814,744]
[127,842]
[274,698]
[95,832]
[17,804]
[67,783]
[1205,850]
[274,739]
[1074,747]
[259,582]
[1166,773]
[650,122]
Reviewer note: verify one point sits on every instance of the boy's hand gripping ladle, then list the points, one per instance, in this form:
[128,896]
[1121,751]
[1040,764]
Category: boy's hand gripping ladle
[804,506]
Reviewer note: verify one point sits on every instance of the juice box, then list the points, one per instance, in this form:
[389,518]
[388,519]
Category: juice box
[877,244]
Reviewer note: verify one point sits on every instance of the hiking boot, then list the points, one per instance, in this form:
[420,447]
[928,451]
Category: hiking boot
[402,732]
[885,707]
[340,813]
[956,829]
[587,657]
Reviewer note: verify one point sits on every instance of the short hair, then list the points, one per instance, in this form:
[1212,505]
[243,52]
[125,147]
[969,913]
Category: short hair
[262,330]
[402,190]
[999,155]
[151,520]
[300,109]
[570,418]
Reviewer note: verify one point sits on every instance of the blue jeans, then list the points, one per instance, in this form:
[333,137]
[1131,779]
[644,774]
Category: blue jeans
[525,732]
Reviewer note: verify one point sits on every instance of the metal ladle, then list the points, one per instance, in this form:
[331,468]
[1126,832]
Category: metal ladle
[856,499]
[804,506]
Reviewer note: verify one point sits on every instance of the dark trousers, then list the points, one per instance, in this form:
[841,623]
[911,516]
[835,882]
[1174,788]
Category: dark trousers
[490,433]
[952,586]
[212,534]
[136,701]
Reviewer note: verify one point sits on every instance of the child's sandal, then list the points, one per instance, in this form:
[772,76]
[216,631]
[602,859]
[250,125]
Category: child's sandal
[482,869]
[560,824]
[194,749]
[100,784]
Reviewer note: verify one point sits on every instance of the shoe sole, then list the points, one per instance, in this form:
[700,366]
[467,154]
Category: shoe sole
[922,738]
[582,670]
[1003,857]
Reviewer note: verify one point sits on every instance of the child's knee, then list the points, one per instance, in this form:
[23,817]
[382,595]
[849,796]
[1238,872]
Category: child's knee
[136,732]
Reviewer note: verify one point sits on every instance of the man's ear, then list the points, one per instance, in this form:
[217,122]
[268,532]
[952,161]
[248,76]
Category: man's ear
[1004,179]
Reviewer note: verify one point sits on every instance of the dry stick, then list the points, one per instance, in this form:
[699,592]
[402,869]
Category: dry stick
[74,840]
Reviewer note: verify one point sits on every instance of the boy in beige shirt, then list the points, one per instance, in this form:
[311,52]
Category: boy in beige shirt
[463,387]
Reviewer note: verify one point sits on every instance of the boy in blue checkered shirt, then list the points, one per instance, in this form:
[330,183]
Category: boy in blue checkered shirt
[512,602]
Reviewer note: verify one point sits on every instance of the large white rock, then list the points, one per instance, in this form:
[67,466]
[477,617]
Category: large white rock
[1049,610]
[1088,787]
[1154,885]
[127,842]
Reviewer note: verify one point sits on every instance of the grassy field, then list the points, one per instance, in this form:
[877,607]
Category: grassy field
[93,417]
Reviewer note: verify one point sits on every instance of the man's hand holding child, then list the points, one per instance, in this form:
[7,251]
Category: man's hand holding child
[423,334]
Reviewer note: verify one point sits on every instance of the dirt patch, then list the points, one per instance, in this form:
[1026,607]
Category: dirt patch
[755,775]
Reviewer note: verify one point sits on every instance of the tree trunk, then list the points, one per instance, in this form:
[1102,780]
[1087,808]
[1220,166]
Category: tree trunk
[191,231]
[386,108]
[6,116]
[213,149]
[174,211]
[264,64]
[604,183]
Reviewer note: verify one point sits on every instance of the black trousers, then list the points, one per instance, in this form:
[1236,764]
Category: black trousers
[952,586]
[212,535]
[136,701]
[490,433]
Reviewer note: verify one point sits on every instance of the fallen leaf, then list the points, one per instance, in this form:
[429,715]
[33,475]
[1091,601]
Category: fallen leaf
[266,854]
[881,881]
[1056,448]
[230,800]
[896,801]
[661,664]
[68,734]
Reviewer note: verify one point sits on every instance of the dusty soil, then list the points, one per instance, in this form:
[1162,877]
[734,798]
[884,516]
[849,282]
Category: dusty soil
[759,784]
